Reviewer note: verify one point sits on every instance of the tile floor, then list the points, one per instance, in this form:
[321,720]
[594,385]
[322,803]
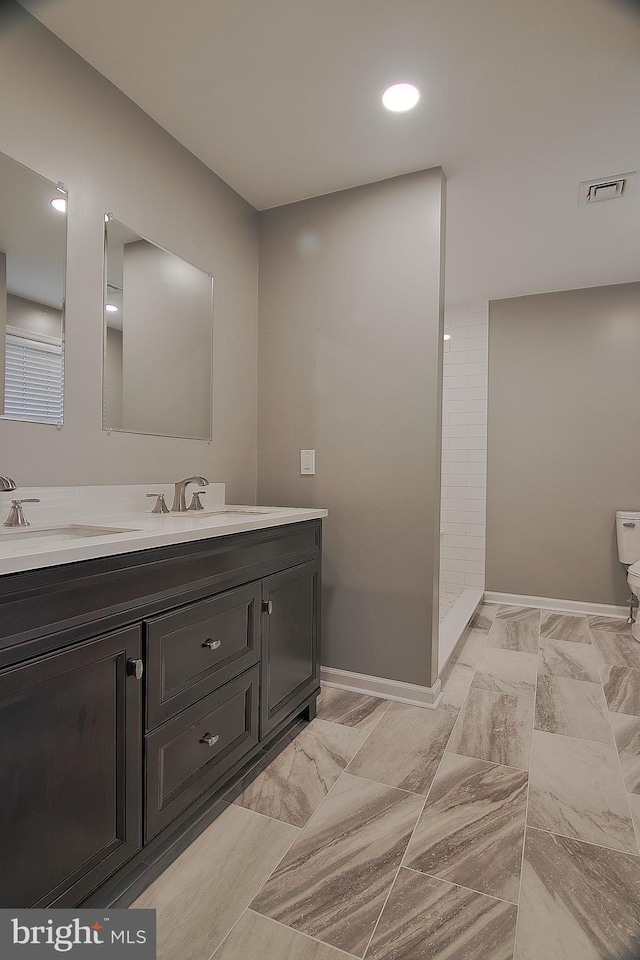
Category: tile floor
[503,825]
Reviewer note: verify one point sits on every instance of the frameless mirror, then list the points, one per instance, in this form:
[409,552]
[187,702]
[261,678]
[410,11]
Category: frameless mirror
[158,332]
[33,241]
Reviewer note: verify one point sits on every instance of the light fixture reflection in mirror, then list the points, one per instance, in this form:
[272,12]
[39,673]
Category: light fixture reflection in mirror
[157,339]
[33,240]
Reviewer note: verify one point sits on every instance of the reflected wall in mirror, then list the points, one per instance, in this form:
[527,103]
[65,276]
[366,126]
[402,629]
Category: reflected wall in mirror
[33,242]
[158,333]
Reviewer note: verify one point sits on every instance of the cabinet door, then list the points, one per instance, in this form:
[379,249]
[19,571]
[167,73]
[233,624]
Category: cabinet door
[69,771]
[190,754]
[290,653]
[195,650]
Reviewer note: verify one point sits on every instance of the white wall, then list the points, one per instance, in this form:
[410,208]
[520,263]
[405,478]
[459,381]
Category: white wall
[65,121]
[464,448]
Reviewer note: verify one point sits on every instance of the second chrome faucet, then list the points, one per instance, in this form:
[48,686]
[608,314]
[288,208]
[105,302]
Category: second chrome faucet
[180,496]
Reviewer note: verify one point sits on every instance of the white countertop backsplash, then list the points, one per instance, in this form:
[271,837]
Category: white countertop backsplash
[123,505]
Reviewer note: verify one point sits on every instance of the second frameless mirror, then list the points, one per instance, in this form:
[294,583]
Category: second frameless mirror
[158,323]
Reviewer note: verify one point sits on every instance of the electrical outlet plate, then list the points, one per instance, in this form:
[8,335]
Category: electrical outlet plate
[307,462]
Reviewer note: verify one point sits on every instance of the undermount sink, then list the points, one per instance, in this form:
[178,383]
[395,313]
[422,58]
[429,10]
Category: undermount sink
[71,531]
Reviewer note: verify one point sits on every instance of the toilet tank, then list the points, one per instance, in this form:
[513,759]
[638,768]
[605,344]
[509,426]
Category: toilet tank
[628,534]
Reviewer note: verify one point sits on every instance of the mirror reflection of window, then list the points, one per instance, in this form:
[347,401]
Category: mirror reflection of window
[158,339]
[32,276]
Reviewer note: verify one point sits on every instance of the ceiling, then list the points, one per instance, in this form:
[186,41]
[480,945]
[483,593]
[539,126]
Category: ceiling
[521,100]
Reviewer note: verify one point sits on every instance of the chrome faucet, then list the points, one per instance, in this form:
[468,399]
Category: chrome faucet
[180,497]
[6,483]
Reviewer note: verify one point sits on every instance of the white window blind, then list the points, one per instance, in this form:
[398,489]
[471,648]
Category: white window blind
[33,379]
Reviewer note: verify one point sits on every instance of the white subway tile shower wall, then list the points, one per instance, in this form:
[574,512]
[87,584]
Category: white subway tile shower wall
[464,448]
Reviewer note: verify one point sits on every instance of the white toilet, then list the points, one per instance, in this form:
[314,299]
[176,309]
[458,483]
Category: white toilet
[628,533]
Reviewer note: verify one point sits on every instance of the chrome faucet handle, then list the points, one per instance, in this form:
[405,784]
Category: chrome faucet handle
[16,517]
[179,498]
[160,505]
[195,500]
[6,484]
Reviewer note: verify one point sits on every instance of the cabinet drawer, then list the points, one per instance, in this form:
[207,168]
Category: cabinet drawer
[188,754]
[197,649]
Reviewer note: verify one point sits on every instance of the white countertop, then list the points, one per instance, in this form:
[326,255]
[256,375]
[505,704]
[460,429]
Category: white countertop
[144,530]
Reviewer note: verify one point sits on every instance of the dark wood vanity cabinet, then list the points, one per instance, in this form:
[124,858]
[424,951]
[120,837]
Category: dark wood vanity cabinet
[290,667]
[133,690]
[69,770]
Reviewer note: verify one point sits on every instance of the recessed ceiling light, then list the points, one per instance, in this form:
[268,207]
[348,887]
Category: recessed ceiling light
[59,204]
[447,336]
[400,96]
[111,308]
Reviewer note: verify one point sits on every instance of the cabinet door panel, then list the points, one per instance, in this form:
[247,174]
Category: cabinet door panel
[290,658]
[181,765]
[195,650]
[69,771]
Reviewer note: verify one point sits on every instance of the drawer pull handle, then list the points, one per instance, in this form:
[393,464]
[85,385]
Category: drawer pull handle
[212,644]
[267,606]
[210,739]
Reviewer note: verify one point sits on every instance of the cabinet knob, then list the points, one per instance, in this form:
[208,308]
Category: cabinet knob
[210,739]
[212,644]
[135,668]
[267,606]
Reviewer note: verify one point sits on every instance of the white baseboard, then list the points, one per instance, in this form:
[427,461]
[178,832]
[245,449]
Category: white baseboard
[381,687]
[455,623]
[552,603]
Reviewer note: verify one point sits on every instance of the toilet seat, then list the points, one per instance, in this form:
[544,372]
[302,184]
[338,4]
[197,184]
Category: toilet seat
[634,570]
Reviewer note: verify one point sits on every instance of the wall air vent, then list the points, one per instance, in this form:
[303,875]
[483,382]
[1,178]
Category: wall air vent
[606,188]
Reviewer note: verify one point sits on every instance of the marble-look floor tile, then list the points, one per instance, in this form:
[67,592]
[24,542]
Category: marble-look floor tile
[455,683]
[352,709]
[576,789]
[515,628]
[470,646]
[622,689]
[506,671]
[578,902]
[562,658]
[616,649]
[298,780]
[472,827]
[572,708]
[494,727]
[405,748]
[333,882]
[626,731]
[608,624]
[255,937]
[183,895]
[563,626]
[525,614]
[429,919]
[484,616]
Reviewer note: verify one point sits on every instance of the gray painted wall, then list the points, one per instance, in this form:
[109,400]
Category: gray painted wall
[564,445]
[65,121]
[350,364]
[3,321]
[33,317]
